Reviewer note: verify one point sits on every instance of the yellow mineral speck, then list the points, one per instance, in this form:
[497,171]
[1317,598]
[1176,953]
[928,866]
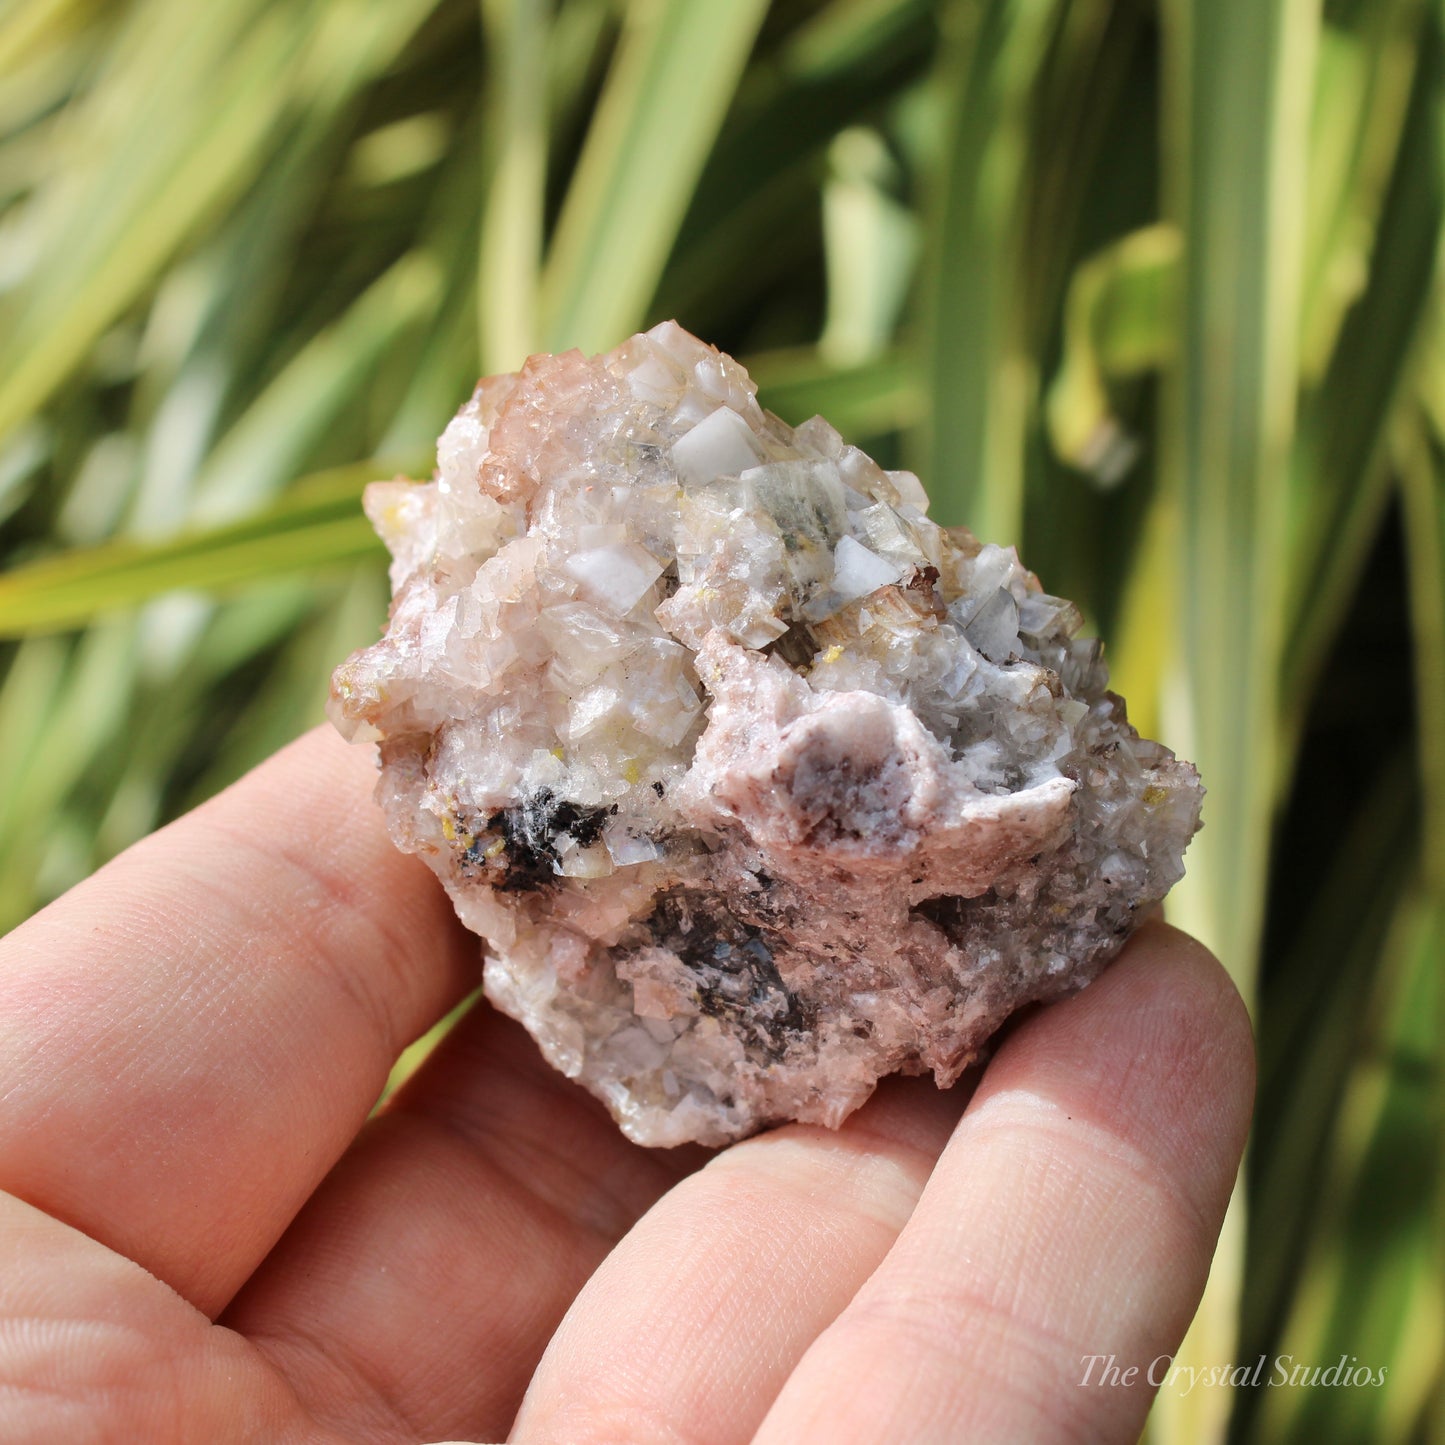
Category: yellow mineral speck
[1154,795]
[833,653]
[449,829]
[495,847]
[558,754]
[631,773]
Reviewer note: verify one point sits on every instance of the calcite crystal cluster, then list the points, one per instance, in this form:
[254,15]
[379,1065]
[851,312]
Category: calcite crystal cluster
[757,783]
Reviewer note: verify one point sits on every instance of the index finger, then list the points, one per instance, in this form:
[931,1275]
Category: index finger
[189,1039]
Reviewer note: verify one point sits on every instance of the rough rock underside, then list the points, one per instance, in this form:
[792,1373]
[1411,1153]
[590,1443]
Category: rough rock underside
[757,783]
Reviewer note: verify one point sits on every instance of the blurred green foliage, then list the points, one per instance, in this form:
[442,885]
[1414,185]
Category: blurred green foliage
[1150,287]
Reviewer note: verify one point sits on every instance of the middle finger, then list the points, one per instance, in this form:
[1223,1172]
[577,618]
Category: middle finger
[693,1323]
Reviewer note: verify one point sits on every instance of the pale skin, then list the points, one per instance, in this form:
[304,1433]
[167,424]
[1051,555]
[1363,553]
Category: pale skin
[202,1237]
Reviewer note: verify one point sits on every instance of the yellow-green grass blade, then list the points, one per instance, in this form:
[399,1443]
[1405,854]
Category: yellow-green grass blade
[750,246]
[87,711]
[214,323]
[1422,473]
[1093,177]
[197,687]
[20,461]
[579,42]
[1362,84]
[179,121]
[33,680]
[670,84]
[1371,1294]
[32,97]
[1121,308]
[1119,317]
[352,44]
[275,436]
[1086,183]
[1237,89]
[168,131]
[1120,321]
[121,727]
[1338,479]
[399,149]
[1237,104]
[1423,483]
[846,34]
[511,242]
[318,524]
[875,398]
[291,697]
[1139,651]
[434,373]
[30,26]
[441,380]
[869,245]
[1311,1016]
[417,1053]
[979,375]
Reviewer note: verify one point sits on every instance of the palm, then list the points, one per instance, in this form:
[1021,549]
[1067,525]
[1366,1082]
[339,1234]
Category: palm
[192,1041]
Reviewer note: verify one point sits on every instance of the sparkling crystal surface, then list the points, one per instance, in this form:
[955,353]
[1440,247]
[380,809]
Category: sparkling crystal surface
[757,783]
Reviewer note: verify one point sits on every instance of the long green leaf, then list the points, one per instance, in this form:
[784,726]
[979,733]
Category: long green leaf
[847,35]
[318,524]
[273,439]
[1422,472]
[869,244]
[29,26]
[1238,108]
[33,680]
[511,241]
[292,696]
[1237,105]
[979,375]
[871,399]
[1361,88]
[752,226]
[1423,484]
[675,72]
[1120,321]
[175,127]
[111,220]
[1372,1291]
[1311,1029]
[1338,483]
[86,711]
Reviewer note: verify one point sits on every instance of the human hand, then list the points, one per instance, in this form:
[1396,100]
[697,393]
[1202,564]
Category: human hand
[203,1238]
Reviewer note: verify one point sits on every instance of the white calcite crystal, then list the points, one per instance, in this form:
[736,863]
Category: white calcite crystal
[758,784]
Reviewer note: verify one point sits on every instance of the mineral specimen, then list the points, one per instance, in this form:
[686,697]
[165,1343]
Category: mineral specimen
[757,783]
